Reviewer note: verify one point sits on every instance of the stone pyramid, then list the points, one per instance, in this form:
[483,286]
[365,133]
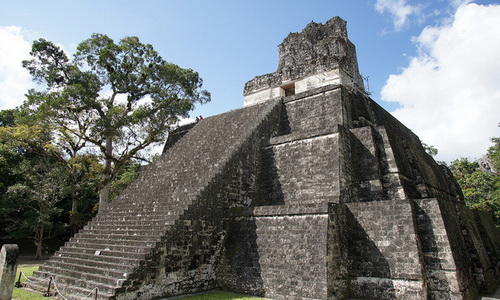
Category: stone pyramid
[311,191]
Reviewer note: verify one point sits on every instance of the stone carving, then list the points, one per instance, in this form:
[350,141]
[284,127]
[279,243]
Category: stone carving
[318,194]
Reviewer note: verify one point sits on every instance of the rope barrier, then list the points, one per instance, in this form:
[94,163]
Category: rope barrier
[28,283]
[94,293]
[58,291]
[96,290]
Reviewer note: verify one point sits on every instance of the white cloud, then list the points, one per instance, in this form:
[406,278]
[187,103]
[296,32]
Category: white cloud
[14,79]
[450,92]
[399,10]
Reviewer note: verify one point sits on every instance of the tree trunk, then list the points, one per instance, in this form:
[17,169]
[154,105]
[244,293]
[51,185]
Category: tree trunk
[74,216]
[38,242]
[106,176]
[104,193]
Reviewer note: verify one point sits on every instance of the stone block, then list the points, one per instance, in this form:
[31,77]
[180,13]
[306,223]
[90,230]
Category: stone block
[8,269]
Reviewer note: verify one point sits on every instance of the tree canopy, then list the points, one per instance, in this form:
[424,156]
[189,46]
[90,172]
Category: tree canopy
[480,180]
[118,98]
[35,181]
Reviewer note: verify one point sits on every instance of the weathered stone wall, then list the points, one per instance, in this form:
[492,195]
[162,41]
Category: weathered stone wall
[335,161]
[367,182]
[483,266]
[441,269]
[420,176]
[302,172]
[315,112]
[383,251]
[337,258]
[299,176]
[276,256]
[490,236]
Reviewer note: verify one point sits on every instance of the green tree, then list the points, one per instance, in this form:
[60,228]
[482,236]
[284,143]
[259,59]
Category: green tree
[7,117]
[118,97]
[480,181]
[493,155]
[431,150]
[83,173]
[36,197]
[35,186]
[124,178]
[42,187]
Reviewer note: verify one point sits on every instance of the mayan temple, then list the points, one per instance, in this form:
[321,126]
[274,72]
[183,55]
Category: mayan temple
[311,191]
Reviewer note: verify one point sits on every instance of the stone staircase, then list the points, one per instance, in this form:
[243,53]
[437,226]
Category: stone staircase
[114,252]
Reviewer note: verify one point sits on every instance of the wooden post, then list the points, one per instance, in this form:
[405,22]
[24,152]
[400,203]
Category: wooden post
[48,294]
[18,283]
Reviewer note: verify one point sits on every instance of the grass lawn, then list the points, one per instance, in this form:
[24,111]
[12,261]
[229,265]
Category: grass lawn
[28,269]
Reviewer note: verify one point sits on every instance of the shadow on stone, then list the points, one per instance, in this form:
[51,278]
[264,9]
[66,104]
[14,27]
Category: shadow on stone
[369,271]
[283,127]
[239,269]
[269,191]
[437,282]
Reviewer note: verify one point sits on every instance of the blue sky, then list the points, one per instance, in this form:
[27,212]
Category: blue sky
[229,42]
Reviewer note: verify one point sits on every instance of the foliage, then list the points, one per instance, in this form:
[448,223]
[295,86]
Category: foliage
[493,154]
[83,176]
[118,97]
[29,202]
[83,132]
[480,182]
[7,117]
[124,178]
[431,150]
[39,183]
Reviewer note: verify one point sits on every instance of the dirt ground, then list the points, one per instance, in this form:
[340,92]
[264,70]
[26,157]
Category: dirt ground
[28,261]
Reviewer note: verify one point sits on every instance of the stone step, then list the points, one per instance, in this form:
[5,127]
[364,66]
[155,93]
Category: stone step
[128,235]
[124,233]
[153,211]
[142,248]
[119,258]
[119,221]
[93,262]
[131,220]
[114,271]
[106,255]
[131,224]
[127,214]
[124,225]
[77,293]
[107,277]
[150,202]
[158,195]
[116,241]
[73,288]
